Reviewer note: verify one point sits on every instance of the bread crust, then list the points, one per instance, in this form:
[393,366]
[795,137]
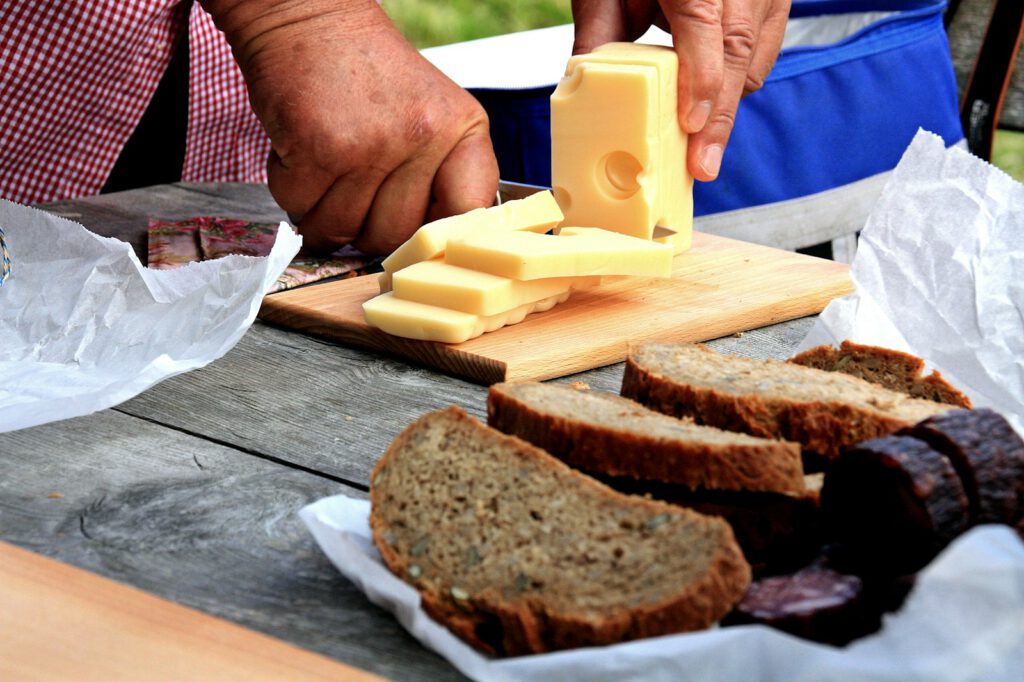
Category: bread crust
[497,624]
[823,427]
[893,369]
[769,466]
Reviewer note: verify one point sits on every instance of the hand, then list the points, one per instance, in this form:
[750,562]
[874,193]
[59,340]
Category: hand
[726,49]
[369,139]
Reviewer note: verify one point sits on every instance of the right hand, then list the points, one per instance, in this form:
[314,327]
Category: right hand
[369,139]
[726,49]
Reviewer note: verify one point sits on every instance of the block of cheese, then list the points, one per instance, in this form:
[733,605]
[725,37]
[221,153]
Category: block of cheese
[575,251]
[618,155]
[449,286]
[424,322]
[537,213]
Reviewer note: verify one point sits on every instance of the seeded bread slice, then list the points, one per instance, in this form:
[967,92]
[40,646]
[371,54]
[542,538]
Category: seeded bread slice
[823,411]
[604,433]
[892,369]
[516,553]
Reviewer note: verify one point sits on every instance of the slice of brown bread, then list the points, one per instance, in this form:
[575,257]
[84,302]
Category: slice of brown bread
[516,553]
[777,532]
[603,433]
[892,369]
[823,411]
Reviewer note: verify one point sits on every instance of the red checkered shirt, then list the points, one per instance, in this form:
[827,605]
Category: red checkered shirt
[76,77]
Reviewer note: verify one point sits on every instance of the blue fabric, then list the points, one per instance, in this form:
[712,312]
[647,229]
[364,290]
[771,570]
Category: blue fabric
[520,132]
[826,116]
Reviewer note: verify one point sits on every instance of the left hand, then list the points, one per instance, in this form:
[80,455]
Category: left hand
[726,49]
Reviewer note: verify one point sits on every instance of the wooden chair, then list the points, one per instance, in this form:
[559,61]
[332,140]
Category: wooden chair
[985,37]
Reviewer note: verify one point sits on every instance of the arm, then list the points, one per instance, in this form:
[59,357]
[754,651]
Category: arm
[369,139]
[726,49]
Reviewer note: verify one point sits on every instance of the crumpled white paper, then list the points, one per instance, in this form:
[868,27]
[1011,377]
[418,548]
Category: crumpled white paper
[939,273]
[85,326]
[964,620]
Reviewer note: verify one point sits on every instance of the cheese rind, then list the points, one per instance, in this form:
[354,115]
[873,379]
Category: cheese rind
[573,252]
[424,322]
[538,212]
[618,155]
[449,286]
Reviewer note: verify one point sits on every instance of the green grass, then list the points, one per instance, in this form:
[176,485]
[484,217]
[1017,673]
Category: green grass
[426,23]
[1008,153]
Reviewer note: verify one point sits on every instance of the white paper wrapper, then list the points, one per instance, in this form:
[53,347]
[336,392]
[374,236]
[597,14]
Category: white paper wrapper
[964,620]
[84,326]
[939,272]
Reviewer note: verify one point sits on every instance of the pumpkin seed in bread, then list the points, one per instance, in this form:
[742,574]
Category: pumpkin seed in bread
[516,553]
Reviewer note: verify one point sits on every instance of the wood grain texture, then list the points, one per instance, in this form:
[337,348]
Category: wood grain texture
[303,401]
[719,287]
[334,409]
[64,623]
[198,523]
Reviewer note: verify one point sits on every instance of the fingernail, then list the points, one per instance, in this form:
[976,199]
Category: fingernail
[698,116]
[711,159]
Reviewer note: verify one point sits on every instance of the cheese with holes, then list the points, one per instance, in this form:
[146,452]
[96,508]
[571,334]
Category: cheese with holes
[618,155]
[537,213]
[574,252]
[470,291]
[424,322]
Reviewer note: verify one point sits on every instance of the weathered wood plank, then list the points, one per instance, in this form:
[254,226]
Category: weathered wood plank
[333,409]
[966,33]
[197,523]
[165,492]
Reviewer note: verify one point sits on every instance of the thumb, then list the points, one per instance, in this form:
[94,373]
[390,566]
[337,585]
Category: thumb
[467,178]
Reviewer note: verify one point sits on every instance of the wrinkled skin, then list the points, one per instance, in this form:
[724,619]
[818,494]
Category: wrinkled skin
[369,139]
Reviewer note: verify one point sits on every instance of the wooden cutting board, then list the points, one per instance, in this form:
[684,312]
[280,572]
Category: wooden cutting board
[719,287]
[58,622]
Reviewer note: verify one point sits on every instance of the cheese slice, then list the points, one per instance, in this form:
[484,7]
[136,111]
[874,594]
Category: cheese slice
[448,286]
[424,322]
[538,212]
[574,252]
[618,155]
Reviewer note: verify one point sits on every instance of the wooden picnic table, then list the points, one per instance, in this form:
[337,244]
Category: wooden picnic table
[190,490]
